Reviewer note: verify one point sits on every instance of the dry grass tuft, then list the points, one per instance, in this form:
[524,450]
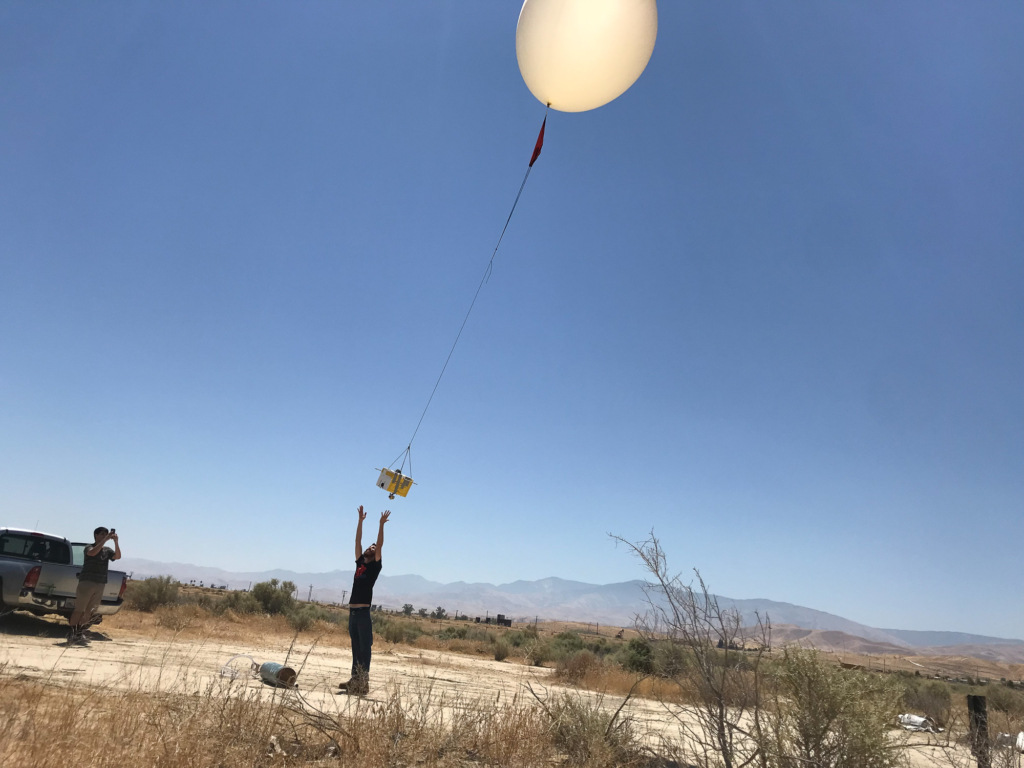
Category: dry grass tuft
[231,725]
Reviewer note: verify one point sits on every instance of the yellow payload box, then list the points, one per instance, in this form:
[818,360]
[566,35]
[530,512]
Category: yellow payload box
[395,483]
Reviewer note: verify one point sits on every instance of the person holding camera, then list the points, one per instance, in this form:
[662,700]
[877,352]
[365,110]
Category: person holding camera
[91,582]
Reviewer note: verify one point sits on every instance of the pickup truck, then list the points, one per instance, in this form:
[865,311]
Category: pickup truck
[39,573]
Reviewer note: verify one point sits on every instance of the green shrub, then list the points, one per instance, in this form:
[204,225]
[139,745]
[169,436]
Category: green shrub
[301,620]
[303,617]
[274,596]
[149,594]
[670,659]
[407,609]
[515,639]
[564,644]
[574,667]
[817,713]
[600,647]
[589,735]
[239,602]
[397,630]
[638,656]
[178,617]
[393,632]
[536,652]
[1002,698]
[501,650]
[453,633]
[931,698]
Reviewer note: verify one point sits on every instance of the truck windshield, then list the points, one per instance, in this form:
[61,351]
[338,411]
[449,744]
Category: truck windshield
[34,548]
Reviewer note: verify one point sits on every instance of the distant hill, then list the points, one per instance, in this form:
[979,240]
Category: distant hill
[830,640]
[922,639]
[612,604]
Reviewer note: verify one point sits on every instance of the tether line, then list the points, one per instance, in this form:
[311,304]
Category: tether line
[483,279]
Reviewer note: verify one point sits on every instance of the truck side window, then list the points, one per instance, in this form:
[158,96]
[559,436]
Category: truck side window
[34,548]
[13,545]
[78,553]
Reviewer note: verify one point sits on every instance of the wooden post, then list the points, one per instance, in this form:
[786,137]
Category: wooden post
[978,715]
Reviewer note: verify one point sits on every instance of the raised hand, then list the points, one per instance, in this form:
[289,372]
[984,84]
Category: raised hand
[384,517]
[362,515]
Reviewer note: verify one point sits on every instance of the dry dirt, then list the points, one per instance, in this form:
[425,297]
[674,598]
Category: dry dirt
[32,648]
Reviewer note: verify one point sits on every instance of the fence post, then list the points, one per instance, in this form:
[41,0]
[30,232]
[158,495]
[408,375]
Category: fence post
[978,715]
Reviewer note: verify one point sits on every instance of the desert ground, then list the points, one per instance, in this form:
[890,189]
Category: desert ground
[131,652]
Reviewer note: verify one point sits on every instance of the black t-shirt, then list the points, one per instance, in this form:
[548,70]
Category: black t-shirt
[363,581]
[94,567]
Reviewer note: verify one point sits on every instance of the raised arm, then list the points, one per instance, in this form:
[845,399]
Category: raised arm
[359,533]
[380,534]
[117,547]
[95,548]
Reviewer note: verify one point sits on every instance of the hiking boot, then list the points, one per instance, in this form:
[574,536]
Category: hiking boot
[355,687]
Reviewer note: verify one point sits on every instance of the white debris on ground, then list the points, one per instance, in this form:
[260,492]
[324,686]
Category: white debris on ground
[918,724]
[1009,740]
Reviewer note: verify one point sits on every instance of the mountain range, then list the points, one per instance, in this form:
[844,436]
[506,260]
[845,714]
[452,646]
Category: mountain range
[553,598]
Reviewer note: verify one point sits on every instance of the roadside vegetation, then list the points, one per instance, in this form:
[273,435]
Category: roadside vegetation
[220,726]
[737,700]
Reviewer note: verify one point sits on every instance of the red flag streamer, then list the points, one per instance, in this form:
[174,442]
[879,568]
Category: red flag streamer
[540,142]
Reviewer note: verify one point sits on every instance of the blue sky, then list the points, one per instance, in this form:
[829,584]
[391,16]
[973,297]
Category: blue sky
[767,303]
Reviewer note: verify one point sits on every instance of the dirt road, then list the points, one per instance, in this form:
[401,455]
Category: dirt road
[35,649]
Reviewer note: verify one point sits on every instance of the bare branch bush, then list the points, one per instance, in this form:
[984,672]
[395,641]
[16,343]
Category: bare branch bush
[749,706]
[719,669]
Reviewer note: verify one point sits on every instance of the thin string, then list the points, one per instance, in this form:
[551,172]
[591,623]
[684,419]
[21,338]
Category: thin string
[484,279]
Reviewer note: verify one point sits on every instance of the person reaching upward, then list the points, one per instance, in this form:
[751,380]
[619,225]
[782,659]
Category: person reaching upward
[360,624]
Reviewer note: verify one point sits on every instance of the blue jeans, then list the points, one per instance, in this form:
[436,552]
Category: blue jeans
[360,630]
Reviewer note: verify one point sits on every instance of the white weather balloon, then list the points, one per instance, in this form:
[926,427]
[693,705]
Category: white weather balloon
[580,54]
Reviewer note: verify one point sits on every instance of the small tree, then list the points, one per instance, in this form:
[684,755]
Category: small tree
[407,609]
[274,596]
[439,613]
[422,613]
[638,656]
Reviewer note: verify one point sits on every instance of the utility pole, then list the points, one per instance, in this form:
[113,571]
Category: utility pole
[343,593]
[309,597]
